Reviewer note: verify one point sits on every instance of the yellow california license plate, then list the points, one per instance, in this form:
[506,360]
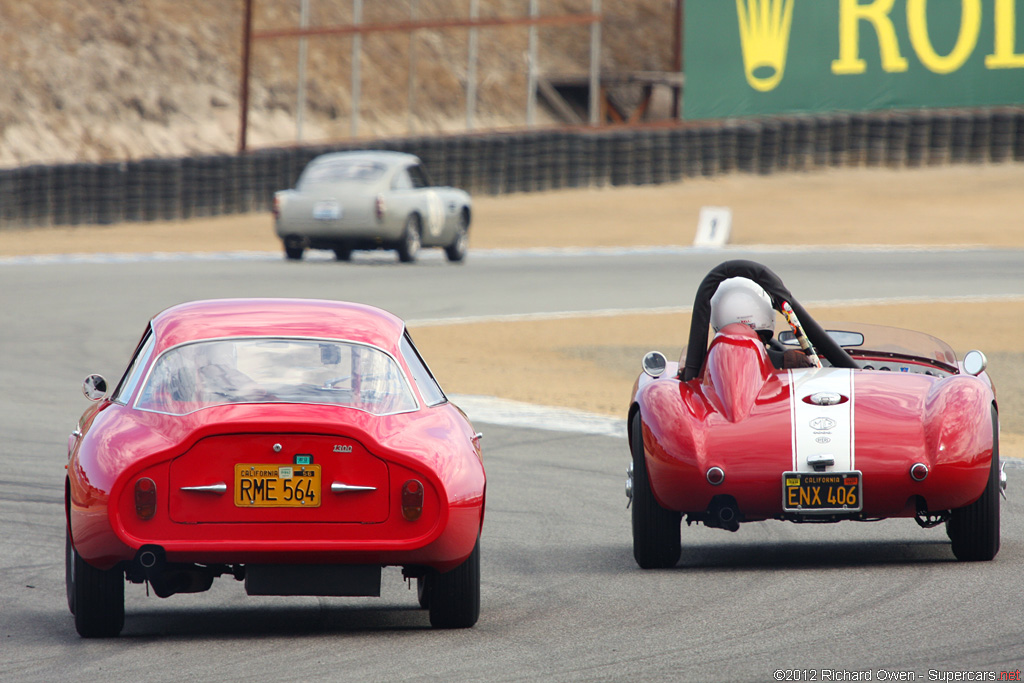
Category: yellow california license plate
[277,486]
[821,492]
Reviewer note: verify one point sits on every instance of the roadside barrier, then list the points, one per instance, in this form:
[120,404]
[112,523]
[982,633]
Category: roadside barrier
[524,161]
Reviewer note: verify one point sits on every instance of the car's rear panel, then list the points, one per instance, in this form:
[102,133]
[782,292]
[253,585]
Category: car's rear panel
[323,212]
[884,425]
[225,500]
[252,478]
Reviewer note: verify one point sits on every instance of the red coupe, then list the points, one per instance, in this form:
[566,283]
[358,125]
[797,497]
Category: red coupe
[296,445]
[871,422]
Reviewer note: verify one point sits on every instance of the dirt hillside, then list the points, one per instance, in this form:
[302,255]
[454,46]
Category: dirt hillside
[101,80]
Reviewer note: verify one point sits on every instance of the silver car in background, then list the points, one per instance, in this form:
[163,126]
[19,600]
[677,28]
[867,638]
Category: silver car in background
[371,200]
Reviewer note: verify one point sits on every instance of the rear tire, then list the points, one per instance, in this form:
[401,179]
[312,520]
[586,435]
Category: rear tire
[69,570]
[453,598]
[294,246]
[456,251]
[656,533]
[974,530]
[409,247]
[98,598]
[421,592]
[343,253]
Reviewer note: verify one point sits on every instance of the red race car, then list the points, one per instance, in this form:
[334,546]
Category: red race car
[856,422]
[296,445]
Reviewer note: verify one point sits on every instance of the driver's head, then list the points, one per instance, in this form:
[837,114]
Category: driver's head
[739,300]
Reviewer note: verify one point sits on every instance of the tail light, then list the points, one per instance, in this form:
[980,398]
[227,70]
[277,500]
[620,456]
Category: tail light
[412,500]
[379,207]
[145,498]
[715,476]
[277,206]
[918,471]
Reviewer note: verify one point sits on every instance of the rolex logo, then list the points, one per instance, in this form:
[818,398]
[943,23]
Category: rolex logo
[764,36]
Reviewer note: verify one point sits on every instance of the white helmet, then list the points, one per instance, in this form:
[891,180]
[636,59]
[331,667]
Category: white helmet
[739,300]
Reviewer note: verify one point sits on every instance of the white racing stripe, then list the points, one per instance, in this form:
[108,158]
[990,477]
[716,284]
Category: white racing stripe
[822,430]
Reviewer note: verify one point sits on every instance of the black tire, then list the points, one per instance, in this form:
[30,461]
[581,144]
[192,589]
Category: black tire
[69,570]
[453,598]
[294,246]
[974,530]
[456,251]
[656,532]
[421,592]
[343,253]
[409,247]
[98,598]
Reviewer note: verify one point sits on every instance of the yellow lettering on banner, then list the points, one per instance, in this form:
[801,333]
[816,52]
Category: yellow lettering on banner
[917,26]
[1003,56]
[851,13]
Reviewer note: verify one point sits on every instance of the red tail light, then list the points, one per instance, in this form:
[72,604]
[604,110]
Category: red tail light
[380,207]
[412,500]
[277,207]
[145,498]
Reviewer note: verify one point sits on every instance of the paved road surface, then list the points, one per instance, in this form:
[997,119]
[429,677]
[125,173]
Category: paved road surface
[562,598]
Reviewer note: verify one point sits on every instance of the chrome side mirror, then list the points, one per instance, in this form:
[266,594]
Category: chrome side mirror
[94,387]
[975,363]
[654,363]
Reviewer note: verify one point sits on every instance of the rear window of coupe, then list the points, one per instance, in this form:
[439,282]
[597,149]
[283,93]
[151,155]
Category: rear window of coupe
[198,375]
[341,171]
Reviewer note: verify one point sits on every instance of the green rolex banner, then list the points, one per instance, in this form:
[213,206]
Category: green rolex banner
[753,57]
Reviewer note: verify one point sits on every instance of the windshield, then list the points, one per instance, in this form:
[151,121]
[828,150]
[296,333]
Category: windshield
[198,375]
[880,339]
[330,171]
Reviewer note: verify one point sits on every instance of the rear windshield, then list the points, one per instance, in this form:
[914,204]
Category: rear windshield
[341,171]
[198,375]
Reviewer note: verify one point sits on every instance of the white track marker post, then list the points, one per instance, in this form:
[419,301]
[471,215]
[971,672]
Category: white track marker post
[713,226]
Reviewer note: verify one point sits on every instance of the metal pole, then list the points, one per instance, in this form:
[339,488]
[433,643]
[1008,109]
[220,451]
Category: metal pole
[244,94]
[412,69]
[357,49]
[531,71]
[595,65]
[300,105]
[474,13]
[677,64]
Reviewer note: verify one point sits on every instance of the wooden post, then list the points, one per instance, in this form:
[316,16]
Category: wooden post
[244,94]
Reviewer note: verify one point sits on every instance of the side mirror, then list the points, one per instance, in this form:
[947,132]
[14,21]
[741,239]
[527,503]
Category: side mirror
[975,363]
[94,387]
[654,364]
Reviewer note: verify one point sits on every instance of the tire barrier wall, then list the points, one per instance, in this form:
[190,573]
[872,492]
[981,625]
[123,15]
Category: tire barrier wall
[171,189]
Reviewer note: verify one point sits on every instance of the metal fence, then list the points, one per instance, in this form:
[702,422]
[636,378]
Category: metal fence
[172,189]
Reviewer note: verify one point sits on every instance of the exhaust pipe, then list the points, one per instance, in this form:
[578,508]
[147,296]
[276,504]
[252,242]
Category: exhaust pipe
[147,559]
[723,514]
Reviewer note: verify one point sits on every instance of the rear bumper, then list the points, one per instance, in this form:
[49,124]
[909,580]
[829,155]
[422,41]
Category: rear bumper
[339,230]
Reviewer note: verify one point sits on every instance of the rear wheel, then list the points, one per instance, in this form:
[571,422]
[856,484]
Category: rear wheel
[974,530]
[343,253]
[421,592]
[293,247]
[456,251]
[409,247]
[69,570]
[656,534]
[453,598]
[98,597]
